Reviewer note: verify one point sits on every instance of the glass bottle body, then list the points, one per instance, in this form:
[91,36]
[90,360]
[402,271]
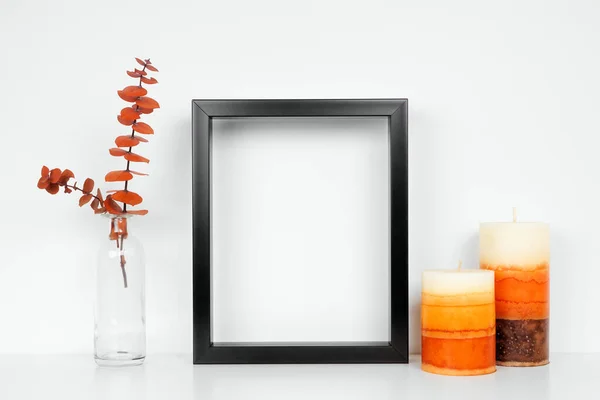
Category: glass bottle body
[120,315]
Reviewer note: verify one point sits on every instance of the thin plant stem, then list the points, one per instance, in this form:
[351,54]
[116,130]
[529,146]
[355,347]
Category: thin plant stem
[84,192]
[123,262]
[132,135]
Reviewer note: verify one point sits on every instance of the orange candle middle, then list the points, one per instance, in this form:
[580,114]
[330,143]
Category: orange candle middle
[458,322]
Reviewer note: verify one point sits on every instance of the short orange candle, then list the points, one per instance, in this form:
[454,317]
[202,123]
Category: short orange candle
[458,322]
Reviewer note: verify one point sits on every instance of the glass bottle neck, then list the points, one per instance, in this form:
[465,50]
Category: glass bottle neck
[118,228]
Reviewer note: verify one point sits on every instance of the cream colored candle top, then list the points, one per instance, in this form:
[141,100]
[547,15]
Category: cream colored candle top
[446,282]
[521,245]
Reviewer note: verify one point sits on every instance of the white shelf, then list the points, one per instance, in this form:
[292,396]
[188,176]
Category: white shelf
[569,376]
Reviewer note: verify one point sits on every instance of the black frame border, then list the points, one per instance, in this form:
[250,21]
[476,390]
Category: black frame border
[207,352]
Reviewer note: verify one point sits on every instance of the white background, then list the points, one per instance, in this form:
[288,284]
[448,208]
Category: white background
[503,111]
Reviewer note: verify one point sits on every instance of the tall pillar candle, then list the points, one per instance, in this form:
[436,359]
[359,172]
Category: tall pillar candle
[519,255]
[458,322]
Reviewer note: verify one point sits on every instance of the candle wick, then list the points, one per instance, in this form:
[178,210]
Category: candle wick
[514,214]
[459,264]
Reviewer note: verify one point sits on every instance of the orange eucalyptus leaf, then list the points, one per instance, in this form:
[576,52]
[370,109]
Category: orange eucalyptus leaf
[145,110]
[127,197]
[134,91]
[124,121]
[65,176]
[151,67]
[117,152]
[147,102]
[118,176]
[144,128]
[143,64]
[149,81]
[99,194]
[45,171]
[126,97]
[127,141]
[135,158]
[84,199]
[53,188]
[142,139]
[67,189]
[43,183]
[134,74]
[141,72]
[55,175]
[88,185]
[137,212]
[138,173]
[112,206]
[95,204]
[100,210]
[129,113]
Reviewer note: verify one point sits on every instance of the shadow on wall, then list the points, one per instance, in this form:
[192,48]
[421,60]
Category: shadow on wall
[470,252]
[168,239]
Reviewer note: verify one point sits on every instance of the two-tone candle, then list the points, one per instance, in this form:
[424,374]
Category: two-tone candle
[458,322]
[519,254]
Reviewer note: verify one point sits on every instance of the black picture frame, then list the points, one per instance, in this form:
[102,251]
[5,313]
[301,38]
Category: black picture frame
[207,352]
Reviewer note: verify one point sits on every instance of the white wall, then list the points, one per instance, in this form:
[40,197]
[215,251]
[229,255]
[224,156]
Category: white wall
[503,111]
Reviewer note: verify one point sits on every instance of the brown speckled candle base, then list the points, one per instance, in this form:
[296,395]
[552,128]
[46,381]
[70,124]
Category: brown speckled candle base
[522,343]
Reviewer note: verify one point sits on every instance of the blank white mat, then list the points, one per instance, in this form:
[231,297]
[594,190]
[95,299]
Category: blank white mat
[300,230]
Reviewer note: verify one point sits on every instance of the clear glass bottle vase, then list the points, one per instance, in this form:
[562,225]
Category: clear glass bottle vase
[120,309]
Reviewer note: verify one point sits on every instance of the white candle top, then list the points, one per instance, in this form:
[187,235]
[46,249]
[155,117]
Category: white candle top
[514,244]
[449,282]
